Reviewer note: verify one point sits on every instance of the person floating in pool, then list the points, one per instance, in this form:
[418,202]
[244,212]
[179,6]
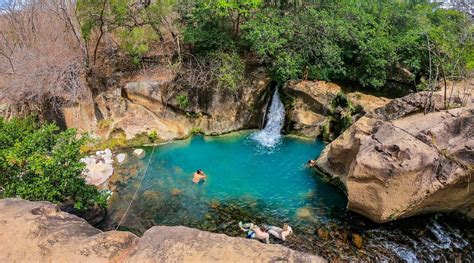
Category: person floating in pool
[199,176]
[312,163]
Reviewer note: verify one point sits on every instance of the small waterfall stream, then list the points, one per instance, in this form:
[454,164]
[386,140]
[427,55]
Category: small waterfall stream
[270,136]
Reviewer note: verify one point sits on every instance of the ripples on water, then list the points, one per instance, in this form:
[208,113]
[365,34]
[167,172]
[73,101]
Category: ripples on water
[247,183]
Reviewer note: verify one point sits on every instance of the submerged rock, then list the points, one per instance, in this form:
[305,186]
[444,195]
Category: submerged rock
[121,158]
[176,191]
[39,231]
[397,167]
[140,153]
[357,240]
[304,213]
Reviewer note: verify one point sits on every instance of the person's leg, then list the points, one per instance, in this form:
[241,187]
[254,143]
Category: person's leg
[274,233]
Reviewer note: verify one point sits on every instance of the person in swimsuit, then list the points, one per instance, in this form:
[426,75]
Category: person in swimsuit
[312,163]
[280,233]
[255,232]
[260,234]
[198,176]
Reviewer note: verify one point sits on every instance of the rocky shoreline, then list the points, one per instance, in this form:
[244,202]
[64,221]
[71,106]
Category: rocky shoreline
[39,231]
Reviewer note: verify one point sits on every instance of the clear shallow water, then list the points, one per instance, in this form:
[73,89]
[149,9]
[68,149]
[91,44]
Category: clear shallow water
[249,182]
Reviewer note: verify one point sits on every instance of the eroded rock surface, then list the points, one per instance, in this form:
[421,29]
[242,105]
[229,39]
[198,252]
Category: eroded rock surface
[183,244]
[399,162]
[40,232]
[311,102]
[143,105]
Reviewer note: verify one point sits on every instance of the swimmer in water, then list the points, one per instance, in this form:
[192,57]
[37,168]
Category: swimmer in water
[312,163]
[198,176]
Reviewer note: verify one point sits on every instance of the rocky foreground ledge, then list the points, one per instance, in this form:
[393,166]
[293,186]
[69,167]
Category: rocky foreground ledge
[398,162]
[39,231]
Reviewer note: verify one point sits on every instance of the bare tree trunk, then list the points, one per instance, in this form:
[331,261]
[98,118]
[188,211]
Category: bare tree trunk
[101,30]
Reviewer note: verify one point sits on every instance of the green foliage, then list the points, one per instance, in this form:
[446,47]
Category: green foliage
[136,24]
[228,70]
[215,24]
[135,42]
[196,130]
[366,42]
[38,162]
[339,117]
[153,136]
[183,100]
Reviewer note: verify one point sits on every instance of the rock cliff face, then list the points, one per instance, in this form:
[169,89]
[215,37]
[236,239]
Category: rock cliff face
[40,232]
[152,104]
[398,162]
[311,101]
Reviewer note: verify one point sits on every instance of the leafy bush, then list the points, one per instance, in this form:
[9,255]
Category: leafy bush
[228,70]
[153,136]
[183,101]
[39,162]
[136,42]
[136,24]
[339,117]
[215,24]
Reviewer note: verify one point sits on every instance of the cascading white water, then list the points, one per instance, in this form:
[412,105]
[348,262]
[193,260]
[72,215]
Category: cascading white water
[270,136]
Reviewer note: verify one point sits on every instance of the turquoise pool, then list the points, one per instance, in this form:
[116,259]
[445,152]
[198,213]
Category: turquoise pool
[251,183]
[275,180]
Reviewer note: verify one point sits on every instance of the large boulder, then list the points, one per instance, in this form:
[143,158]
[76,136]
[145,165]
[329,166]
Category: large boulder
[458,94]
[310,103]
[398,167]
[99,167]
[40,232]
[317,95]
[183,244]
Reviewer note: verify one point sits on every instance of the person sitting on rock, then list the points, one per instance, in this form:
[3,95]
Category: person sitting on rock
[199,176]
[260,234]
[255,232]
[280,233]
[247,228]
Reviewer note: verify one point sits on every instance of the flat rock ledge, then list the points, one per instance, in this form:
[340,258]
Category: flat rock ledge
[40,232]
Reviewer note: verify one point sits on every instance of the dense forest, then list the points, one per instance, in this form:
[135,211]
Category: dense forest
[51,47]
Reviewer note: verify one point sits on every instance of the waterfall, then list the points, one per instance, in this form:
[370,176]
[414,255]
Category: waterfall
[270,136]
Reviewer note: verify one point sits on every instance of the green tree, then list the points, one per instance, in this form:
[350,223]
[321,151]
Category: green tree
[215,24]
[39,162]
[136,23]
